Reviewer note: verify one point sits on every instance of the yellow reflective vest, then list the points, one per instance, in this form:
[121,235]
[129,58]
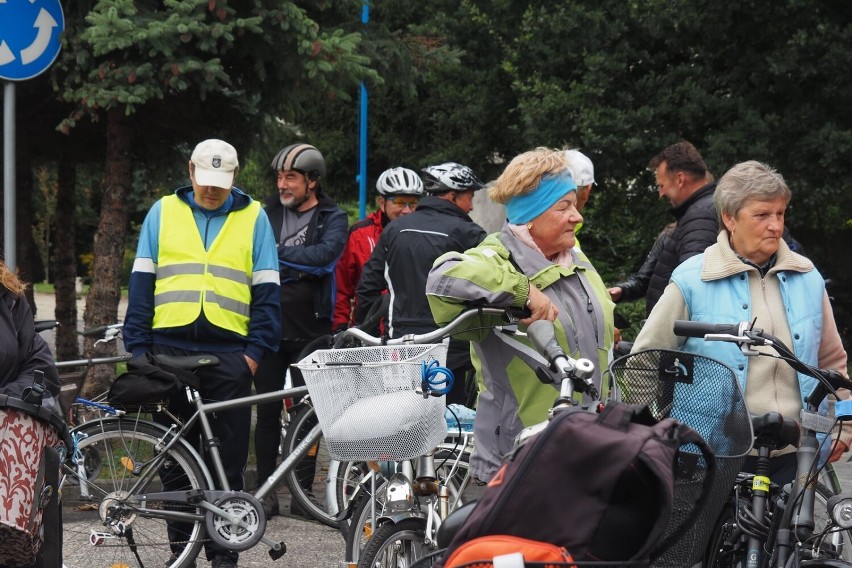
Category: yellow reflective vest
[191,279]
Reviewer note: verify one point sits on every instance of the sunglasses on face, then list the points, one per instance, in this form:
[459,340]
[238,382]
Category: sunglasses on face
[401,201]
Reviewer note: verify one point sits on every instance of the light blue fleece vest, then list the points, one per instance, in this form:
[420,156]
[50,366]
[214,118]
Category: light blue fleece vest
[728,301]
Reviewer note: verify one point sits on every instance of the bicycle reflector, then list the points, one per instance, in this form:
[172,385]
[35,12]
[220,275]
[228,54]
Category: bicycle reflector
[840,509]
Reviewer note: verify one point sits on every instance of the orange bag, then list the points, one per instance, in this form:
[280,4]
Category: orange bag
[480,552]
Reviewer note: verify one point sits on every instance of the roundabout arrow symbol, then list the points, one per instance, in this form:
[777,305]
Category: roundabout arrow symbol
[6,55]
[45,24]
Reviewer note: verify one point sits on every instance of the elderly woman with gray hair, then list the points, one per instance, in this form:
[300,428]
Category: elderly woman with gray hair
[532,262]
[750,274]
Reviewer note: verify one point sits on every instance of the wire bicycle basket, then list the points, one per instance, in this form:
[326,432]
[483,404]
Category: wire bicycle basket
[704,394]
[368,404]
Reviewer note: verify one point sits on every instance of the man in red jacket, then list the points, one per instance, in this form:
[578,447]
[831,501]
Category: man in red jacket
[399,190]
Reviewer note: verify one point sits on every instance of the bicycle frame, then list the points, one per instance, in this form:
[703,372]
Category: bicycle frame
[796,523]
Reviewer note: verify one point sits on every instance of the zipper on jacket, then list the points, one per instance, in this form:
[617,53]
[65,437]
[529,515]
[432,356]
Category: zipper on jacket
[590,309]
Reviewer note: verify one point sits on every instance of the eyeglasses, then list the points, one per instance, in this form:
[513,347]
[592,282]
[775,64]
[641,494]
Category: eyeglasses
[401,201]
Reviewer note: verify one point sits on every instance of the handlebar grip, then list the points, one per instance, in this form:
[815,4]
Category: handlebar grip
[686,328]
[95,331]
[518,313]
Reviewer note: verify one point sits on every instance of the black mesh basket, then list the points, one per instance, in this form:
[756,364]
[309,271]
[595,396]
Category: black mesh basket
[704,394]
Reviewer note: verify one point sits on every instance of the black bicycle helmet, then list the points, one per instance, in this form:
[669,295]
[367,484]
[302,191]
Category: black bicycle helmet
[300,157]
[399,181]
[450,176]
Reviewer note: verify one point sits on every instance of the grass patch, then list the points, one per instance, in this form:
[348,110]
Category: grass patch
[49,288]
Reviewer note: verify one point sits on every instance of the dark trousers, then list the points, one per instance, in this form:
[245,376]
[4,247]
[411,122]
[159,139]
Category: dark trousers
[269,378]
[464,389]
[228,380]
[782,469]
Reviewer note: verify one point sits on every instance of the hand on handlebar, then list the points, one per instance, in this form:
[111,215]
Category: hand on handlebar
[540,306]
[837,451]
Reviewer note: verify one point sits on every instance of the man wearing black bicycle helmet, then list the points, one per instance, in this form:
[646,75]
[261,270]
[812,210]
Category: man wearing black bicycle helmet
[404,255]
[310,230]
[399,191]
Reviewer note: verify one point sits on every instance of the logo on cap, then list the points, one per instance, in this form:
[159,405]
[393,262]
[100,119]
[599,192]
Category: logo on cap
[217,161]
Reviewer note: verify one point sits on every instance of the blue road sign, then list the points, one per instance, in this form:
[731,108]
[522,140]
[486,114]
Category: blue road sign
[29,37]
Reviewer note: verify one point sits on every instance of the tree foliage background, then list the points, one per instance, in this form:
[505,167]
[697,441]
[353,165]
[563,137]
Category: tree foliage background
[473,82]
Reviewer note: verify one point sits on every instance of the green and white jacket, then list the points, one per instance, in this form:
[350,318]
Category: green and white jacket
[499,273]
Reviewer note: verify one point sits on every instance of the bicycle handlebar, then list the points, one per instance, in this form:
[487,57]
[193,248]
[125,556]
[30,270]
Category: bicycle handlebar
[542,335]
[419,338]
[745,335]
[686,328]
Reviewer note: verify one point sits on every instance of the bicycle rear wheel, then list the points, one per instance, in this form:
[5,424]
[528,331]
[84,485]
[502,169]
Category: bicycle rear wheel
[104,523]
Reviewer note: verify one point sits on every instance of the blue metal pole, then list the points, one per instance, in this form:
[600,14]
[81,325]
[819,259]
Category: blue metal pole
[362,156]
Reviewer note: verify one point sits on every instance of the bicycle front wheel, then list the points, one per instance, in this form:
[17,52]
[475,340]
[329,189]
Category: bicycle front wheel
[449,459]
[105,524]
[840,540]
[308,480]
[396,546]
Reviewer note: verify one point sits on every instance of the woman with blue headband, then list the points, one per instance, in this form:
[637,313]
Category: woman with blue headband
[531,263]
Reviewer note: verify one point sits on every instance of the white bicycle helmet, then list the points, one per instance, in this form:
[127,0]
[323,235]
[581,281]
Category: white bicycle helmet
[399,181]
[450,176]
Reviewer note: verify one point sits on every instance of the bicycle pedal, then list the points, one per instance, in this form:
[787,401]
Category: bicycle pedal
[278,552]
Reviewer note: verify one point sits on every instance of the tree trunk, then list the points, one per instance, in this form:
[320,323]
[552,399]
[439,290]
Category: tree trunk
[65,261]
[105,291]
[25,249]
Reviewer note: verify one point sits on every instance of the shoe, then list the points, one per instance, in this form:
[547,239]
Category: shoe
[271,506]
[223,561]
[173,558]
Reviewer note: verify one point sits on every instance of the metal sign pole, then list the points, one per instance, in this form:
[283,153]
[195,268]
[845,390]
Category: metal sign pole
[9,239]
[29,44]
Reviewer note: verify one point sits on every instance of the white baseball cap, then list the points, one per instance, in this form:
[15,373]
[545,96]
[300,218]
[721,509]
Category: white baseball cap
[215,163]
[581,167]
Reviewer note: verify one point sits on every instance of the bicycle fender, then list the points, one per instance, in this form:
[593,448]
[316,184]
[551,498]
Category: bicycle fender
[399,517]
[208,478]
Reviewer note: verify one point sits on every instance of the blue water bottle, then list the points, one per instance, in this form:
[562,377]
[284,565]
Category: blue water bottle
[464,423]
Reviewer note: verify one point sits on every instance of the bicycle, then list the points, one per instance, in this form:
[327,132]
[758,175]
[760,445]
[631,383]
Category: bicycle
[764,524]
[122,505]
[323,487]
[71,382]
[417,498]
[451,463]
[78,410]
[646,379]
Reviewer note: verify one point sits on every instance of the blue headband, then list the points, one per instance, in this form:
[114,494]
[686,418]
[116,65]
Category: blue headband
[552,187]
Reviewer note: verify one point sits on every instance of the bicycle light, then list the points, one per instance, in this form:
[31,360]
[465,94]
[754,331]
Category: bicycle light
[840,509]
[399,494]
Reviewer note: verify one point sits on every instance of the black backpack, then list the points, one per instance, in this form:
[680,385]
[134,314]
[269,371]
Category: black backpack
[600,485]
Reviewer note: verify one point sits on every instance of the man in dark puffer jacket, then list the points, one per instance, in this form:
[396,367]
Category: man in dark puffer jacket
[682,178]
